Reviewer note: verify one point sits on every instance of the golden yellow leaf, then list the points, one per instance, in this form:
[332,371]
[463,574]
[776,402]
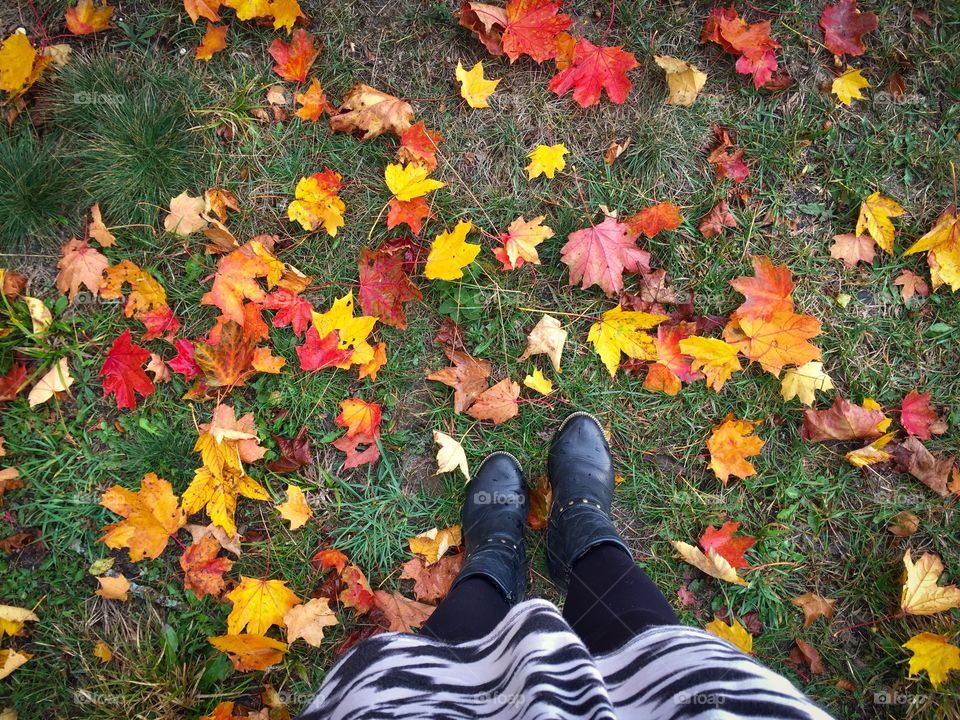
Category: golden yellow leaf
[474,88]
[712,564]
[432,544]
[19,68]
[450,456]
[352,331]
[450,253]
[57,379]
[258,605]
[285,13]
[942,243]
[735,634]
[102,650]
[715,358]
[98,230]
[295,509]
[12,619]
[408,182]
[684,80]
[547,337]
[250,652]
[847,88]
[875,214]
[730,445]
[151,515]
[871,404]
[10,660]
[622,331]
[803,382]
[538,382]
[921,595]
[114,587]
[546,160]
[216,488]
[317,202]
[308,620]
[872,453]
[39,313]
[933,653]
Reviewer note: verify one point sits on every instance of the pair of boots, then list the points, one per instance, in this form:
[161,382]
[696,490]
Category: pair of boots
[580,469]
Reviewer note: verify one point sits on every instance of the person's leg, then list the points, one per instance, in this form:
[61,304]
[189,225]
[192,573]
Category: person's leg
[468,612]
[493,576]
[611,600]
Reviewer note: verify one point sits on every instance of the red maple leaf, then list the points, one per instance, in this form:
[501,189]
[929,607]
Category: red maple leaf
[318,353]
[295,59]
[917,417]
[600,254]
[123,373]
[184,363]
[844,27]
[419,145]
[329,558]
[651,220]
[355,456]
[385,285]
[532,29]
[751,41]
[592,69]
[728,547]
[160,322]
[13,381]
[291,310]
[409,212]
[727,164]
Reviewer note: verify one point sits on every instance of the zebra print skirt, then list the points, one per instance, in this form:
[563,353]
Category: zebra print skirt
[532,665]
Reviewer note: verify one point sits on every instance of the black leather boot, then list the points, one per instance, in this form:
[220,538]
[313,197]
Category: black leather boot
[494,512]
[580,468]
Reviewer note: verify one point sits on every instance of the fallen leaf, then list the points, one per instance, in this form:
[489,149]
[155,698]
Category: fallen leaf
[308,620]
[411,213]
[403,614]
[186,215]
[359,417]
[202,567]
[915,459]
[622,331]
[10,660]
[715,358]
[750,41]
[357,593]
[600,254]
[450,253]
[294,59]
[918,418]
[317,202]
[12,619]
[546,160]
[532,28]
[684,80]
[903,524]
[102,652]
[295,509]
[450,456]
[385,284]
[114,587]
[57,379]
[593,69]
[230,543]
[805,654]
[85,18]
[814,606]
[921,595]
[843,421]
[487,21]
[911,284]
[20,64]
[712,563]
[467,376]
[434,543]
[727,546]
[847,88]
[803,382]
[419,146]
[538,382]
[408,182]
[122,372]
[313,103]
[548,338]
[329,558]
[97,230]
[80,265]
[250,652]
[497,404]
[258,605]
[151,515]
[853,248]
[844,27]
[432,583]
[214,40]
[520,242]
[474,88]
[872,453]
[933,653]
[197,9]
[367,110]
[351,446]
[717,220]
[295,452]
[730,445]
[652,220]
[615,150]
[875,214]
[942,244]
[735,634]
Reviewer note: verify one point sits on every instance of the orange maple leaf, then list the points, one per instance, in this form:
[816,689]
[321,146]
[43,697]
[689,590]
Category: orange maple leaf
[203,569]
[768,292]
[532,28]
[730,445]
[294,59]
[85,18]
[152,515]
[80,265]
[593,69]
[236,279]
[359,417]
[313,102]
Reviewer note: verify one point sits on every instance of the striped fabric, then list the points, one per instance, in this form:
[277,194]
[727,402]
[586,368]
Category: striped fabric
[532,665]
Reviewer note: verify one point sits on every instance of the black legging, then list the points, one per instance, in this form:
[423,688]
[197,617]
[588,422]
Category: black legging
[610,600]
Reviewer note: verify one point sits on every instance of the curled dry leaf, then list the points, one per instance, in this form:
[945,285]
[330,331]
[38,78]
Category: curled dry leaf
[371,112]
[685,81]
[450,456]
[921,595]
[547,337]
[712,563]
[814,606]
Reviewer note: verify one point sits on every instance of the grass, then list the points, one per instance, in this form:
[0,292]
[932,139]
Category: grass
[182,126]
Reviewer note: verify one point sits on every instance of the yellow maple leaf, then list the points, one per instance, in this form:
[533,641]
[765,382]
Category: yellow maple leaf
[295,509]
[847,87]
[715,358]
[730,445]
[921,595]
[20,65]
[450,253]
[434,543]
[102,651]
[546,160]
[12,619]
[538,382]
[249,9]
[872,453]
[317,203]
[803,382]
[871,404]
[875,214]
[735,634]
[285,13]
[522,238]
[250,652]
[943,245]
[712,563]
[408,182]
[474,88]
[151,515]
[146,294]
[352,331]
[933,653]
[622,331]
[684,80]
[258,605]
